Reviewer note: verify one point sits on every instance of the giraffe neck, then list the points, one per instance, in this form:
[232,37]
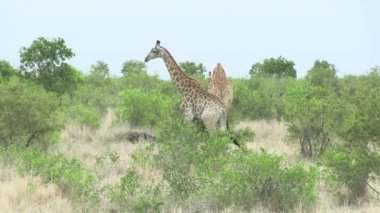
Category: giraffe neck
[182,81]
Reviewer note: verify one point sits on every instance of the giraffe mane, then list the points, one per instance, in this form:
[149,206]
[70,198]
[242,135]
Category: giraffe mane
[186,75]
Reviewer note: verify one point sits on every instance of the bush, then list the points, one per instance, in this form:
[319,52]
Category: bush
[310,113]
[70,174]
[249,102]
[6,71]
[351,168]
[27,113]
[197,165]
[356,158]
[265,179]
[141,108]
[85,115]
[260,98]
[131,195]
[98,93]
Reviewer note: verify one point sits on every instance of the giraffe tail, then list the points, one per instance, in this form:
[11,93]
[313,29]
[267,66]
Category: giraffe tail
[235,141]
[232,138]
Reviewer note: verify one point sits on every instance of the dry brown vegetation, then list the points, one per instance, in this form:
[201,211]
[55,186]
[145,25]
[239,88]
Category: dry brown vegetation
[109,159]
[30,194]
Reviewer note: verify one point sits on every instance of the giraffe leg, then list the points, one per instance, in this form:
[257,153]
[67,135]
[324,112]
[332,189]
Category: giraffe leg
[223,122]
[188,114]
[211,118]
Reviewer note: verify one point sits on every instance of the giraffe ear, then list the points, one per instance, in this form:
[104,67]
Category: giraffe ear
[158,43]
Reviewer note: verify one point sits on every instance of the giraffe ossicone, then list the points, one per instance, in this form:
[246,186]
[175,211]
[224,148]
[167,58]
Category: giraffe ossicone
[197,103]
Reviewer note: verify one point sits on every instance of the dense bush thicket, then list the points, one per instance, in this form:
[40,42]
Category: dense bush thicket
[356,160]
[334,120]
[198,167]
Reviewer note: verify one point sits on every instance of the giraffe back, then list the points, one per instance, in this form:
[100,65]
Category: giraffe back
[220,86]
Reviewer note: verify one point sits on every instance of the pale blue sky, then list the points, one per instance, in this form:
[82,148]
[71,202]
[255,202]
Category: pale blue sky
[236,33]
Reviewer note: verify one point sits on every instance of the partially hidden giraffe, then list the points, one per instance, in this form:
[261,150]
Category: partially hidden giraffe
[197,103]
[220,86]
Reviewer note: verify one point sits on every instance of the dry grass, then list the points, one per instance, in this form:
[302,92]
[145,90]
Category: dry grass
[30,194]
[99,149]
[270,136]
[107,155]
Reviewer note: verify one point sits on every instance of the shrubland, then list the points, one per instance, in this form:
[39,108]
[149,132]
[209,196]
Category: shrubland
[331,124]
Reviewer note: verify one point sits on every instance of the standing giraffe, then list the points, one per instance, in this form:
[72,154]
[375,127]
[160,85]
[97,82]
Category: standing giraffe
[197,103]
[220,86]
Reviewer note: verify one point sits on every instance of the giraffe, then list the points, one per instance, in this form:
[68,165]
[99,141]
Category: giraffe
[197,103]
[221,86]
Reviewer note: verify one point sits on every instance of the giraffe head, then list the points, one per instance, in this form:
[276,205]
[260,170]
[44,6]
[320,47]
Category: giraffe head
[156,52]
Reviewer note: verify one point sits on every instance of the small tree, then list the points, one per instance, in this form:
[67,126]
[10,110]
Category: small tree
[6,70]
[133,66]
[27,113]
[141,108]
[353,162]
[275,91]
[99,75]
[309,113]
[322,74]
[274,67]
[249,101]
[100,69]
[193,69]
[44,62]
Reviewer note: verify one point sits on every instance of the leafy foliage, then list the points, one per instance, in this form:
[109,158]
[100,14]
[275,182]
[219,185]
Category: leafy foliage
[334,120]
[262,178]
[100,70]
[141,80]
[352,168]
[353,162]
[274,67]
[131,195]
[6,71]
[259,98]
[44,62]
[193,69]
[85,115]
[249,102]
[70,174]
[141,108]
[309,112]
[322,74]
[197,165]
[27,113]
[133,66]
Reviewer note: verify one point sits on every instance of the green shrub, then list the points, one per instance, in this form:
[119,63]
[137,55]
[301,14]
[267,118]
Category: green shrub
[85,115]
[351,168]
[6,71]
[356,159]
[28,113]
[310,113]
[265,179]
[198,165]
[249,103]
[141,108]
[259,98]
[131,195]
[69,174]
[97,93]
